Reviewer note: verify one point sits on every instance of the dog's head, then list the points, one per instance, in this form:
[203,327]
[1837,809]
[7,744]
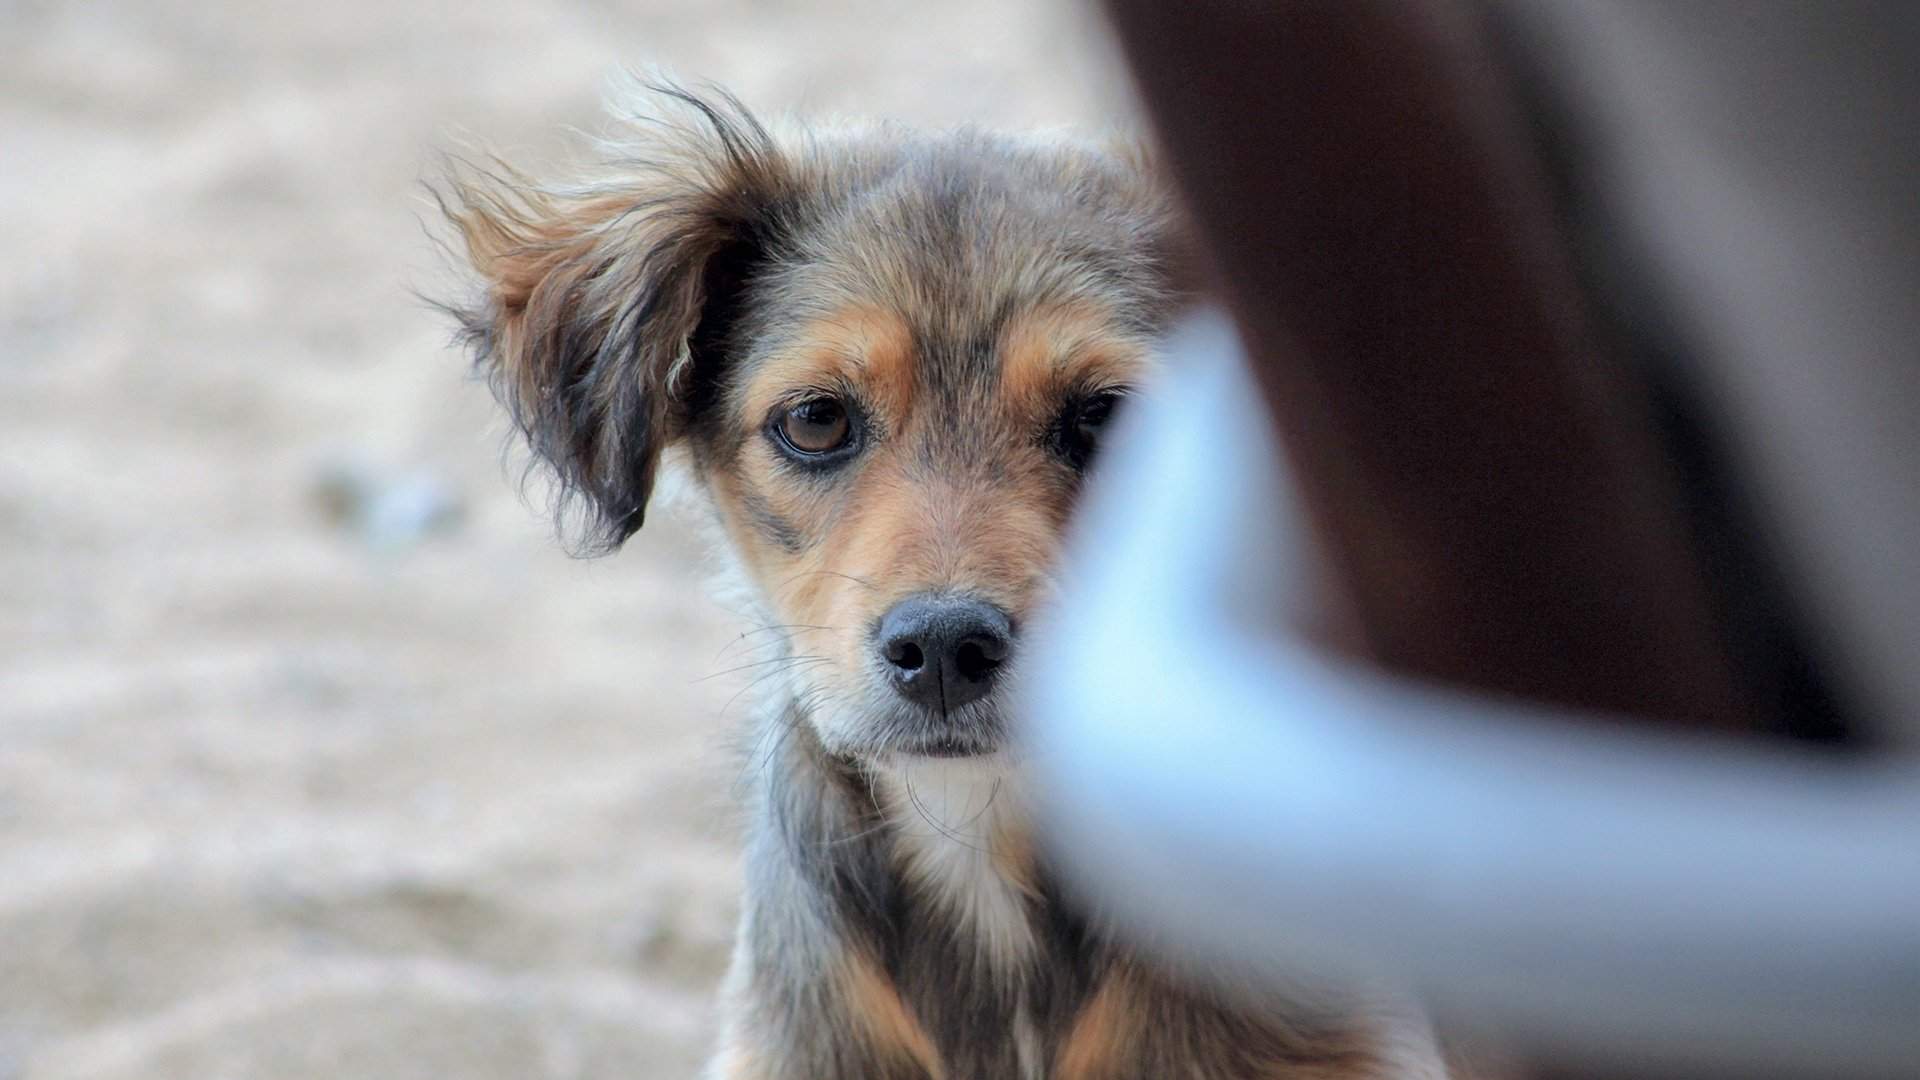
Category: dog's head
[888,358]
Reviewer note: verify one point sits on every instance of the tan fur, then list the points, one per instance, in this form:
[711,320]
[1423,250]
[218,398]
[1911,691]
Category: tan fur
[516,236]
[1096,1046]
[870,346]
[532,247]
[887,1022]
[1047,350]
[1014,859]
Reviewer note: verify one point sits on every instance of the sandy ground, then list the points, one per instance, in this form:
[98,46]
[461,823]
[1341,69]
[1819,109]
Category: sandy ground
[284,795]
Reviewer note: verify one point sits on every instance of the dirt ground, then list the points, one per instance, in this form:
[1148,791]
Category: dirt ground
[318,758]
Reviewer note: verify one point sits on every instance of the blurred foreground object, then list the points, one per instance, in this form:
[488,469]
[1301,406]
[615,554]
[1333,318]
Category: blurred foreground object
[1591,888]
[1508,551]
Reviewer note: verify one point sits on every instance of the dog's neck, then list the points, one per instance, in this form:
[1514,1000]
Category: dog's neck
[945,838]
[920,868]
[961,844]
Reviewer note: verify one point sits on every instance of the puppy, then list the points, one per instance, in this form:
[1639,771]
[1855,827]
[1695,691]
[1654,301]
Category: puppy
[885,360]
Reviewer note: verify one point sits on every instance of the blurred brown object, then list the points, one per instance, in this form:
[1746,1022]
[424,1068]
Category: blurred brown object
[1490,506]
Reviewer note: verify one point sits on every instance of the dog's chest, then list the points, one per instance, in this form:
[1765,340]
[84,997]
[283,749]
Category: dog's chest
[987,1019]
[960,846]
[981,956]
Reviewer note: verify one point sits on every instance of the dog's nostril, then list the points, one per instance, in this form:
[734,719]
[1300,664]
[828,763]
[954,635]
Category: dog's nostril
[906,656]
[974,660]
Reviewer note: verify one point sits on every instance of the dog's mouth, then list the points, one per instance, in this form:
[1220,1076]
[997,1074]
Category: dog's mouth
[875,723]
[949,747]
[976,731]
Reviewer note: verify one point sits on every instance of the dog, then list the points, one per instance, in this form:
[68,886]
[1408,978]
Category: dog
[885,361]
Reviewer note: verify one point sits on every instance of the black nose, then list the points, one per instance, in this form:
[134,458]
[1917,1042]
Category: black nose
[943,651]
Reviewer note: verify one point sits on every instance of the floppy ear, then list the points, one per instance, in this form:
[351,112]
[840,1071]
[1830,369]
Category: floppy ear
[601,301]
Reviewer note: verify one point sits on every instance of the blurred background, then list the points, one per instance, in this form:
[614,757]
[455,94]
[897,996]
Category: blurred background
[318,757]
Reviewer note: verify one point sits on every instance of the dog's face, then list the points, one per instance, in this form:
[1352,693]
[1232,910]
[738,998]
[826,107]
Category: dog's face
[889,360]
[896,481]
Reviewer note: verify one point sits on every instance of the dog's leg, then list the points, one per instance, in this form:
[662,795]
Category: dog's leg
[845,1020]
[1134,1025]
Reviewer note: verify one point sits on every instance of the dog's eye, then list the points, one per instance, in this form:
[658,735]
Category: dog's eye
[816,426]
[1078,434]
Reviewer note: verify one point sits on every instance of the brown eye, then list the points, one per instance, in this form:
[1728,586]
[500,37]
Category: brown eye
[818,426]
[1077,435]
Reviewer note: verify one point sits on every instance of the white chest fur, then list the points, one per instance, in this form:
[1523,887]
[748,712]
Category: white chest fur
[962,828]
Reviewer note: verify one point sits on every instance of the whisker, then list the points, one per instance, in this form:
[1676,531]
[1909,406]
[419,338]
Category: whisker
[758,663]
[992,794]
[791,720]
[860,581]
[877,827]
[769,628]
[792,662]
[921,809]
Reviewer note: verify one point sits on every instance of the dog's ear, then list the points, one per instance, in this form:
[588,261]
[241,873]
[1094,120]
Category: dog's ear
[601,301]
[1151,198]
